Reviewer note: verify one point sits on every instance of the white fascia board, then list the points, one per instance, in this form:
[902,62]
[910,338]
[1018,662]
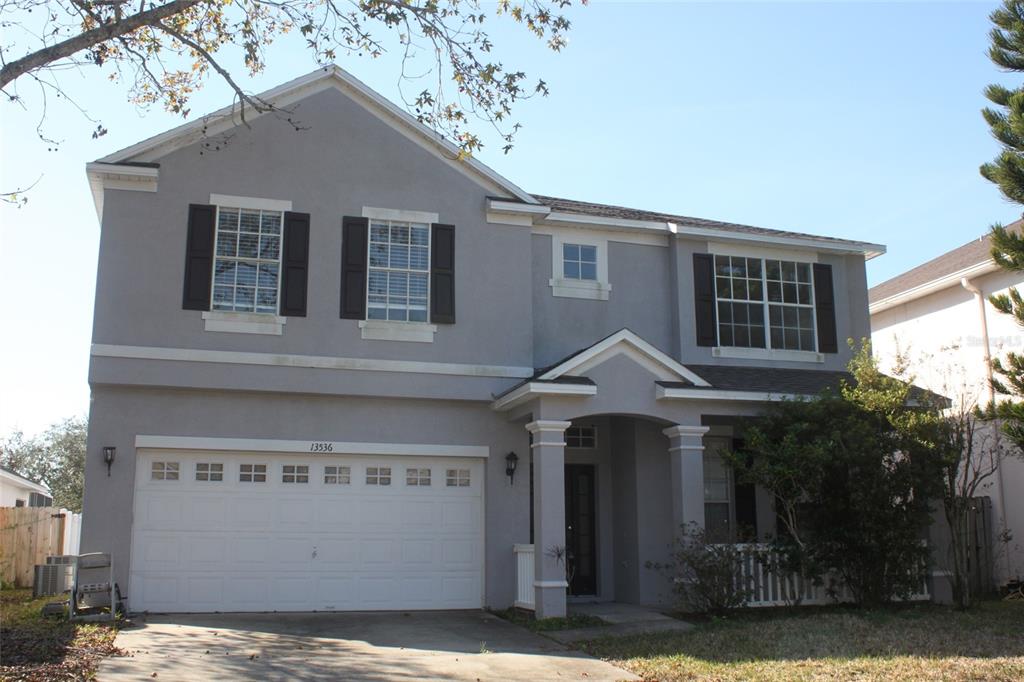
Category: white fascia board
[313,446]
[944,282]
[23,482]
[282,96]
[517,208]
[664,393]
[624,336]
[534,389]
[118,176]
[575,219]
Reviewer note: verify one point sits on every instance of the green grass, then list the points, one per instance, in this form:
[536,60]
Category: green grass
[570,622]
[36,648]
[924,642]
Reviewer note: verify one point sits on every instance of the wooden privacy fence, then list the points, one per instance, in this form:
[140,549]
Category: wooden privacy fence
[30,534]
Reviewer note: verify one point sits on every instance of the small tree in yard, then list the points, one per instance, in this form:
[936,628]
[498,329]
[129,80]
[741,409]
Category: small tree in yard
[703,575]
[852,472]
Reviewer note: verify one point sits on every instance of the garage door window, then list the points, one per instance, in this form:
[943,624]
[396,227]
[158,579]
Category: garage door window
[252,473]
[209,471]
[417,476]
[457,478]
[295,473]
[378,475]
[334,475]
[165,471]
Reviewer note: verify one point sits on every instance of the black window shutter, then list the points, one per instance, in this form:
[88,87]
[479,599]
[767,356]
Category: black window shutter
[295,264]
[353,267]
[704,298]
[825,309]
[199,257]
[442,274]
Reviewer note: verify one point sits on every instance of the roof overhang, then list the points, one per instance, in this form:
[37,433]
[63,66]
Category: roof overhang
[533,389]
[291,92]
[536,215]
[22,482]
[133,177]
[937,284]
[671,393]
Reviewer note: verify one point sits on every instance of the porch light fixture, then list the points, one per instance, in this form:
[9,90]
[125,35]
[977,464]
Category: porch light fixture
[511,459]
[109,452]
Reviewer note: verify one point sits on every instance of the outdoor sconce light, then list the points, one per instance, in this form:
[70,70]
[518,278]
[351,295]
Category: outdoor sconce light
[108,456]
[511,459]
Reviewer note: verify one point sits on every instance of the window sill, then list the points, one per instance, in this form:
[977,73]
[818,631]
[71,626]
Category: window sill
[580,288]
[388,330]
[243,323]
[768,354]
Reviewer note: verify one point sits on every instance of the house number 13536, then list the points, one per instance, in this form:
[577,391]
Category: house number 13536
[321,447]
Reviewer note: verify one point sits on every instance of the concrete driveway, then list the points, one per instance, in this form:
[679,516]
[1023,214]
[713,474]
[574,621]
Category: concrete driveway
[417,645]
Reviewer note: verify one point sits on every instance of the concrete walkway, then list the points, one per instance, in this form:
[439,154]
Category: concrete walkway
[418,645]
[622,619]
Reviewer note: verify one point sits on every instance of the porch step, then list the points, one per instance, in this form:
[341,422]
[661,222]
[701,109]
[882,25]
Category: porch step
[620,630]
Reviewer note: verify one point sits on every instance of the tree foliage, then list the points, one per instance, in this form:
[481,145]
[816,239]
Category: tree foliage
[852,472]
[163,52]
[57,458]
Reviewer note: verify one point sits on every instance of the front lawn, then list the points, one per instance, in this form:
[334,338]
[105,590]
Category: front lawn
[915,643]
[34,648]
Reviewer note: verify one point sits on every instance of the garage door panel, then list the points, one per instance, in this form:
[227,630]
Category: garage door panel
[234,545]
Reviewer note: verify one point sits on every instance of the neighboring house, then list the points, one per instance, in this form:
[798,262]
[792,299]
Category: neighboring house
[338,368]
[938,316]
[18,491]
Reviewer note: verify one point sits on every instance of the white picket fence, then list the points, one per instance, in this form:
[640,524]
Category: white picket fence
[770,588]
[524,576]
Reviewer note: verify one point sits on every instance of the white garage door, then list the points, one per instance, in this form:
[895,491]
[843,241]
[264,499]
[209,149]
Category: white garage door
[237,532]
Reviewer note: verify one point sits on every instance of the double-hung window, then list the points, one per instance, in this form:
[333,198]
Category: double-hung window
[765,303]
[399,269]
[247,261]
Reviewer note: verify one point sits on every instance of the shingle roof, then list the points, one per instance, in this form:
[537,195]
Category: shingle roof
[610,211]
[974,252]
[766,379]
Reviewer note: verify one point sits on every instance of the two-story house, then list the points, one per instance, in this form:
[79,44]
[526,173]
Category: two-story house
[340,368]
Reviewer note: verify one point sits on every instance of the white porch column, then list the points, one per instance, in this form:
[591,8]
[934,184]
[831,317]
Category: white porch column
[548,516]
[686,453]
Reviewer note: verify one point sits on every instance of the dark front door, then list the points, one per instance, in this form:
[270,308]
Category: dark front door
[580,529]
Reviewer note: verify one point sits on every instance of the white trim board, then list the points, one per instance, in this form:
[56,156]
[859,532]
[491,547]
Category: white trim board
[538,388]
[307,446]
[252,203]
[663,393]
[331,76]
[625,342]
[307,361]
[400,214]
[930,287]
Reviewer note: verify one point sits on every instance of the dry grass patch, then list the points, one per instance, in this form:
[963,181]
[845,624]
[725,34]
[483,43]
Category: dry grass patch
[917,643]
[34,648]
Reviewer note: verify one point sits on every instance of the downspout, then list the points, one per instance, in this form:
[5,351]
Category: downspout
[980,298]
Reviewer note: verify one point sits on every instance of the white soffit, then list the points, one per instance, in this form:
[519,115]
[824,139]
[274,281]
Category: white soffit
[625,342]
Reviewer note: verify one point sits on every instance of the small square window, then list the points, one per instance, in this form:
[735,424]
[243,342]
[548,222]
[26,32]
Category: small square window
[165,471]
[581,437]
[295,473]
[417,476]
[209,471]
[457,478]
[337,475]
[378,475]
[579,261]
[252,473]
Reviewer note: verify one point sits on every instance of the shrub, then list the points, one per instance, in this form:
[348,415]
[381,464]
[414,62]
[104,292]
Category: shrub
[703,575]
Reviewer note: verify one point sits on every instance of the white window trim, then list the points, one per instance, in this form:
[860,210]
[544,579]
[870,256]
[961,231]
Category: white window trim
[252,203]
[595,290]
[396,330]
[778,354]
[243,323]
[400,215]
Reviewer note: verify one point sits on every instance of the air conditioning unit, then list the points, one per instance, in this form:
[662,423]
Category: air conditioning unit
[52,578]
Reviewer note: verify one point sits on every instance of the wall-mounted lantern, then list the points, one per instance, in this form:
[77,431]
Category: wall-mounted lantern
[109,452]
[511,459]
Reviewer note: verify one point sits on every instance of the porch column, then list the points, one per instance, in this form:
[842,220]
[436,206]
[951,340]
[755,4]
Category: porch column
[548,516]
[686,454]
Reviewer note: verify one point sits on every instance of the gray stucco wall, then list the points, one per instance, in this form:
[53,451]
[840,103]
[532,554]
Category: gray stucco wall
[117,415]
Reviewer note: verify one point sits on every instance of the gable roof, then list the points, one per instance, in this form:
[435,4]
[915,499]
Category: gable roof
[330,76]
[973,258]
[23,481]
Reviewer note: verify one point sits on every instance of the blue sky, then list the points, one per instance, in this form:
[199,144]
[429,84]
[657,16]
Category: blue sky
[857,120]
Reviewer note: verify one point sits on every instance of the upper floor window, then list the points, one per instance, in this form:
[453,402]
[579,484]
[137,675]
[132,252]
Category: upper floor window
[398,273]
[247,261]
[579,261]
[765,303]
